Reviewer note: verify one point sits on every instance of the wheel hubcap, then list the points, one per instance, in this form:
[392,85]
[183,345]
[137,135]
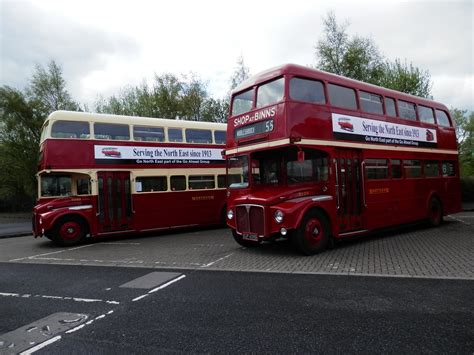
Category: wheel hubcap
[313,231]
[70,230]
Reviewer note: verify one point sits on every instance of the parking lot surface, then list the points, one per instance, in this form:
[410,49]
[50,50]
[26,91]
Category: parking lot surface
[411,251]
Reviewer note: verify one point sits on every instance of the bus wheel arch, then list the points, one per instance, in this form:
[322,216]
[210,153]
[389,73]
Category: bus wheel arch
[313,233]
[435,211]
[69,229]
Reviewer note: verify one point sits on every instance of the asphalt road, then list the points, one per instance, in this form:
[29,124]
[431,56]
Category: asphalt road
[221,312]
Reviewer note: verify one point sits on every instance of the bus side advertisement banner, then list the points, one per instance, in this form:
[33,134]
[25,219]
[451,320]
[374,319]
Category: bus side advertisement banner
[113,154]
[374,131]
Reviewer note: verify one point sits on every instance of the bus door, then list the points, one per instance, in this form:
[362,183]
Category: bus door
[347,164]
[114,201]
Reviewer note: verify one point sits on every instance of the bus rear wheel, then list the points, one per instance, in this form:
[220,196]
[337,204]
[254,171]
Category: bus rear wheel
[245,243]
[312,236]
[69,231]
[435,212]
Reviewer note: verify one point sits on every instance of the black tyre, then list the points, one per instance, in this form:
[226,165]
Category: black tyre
[69,231]
[435,212]
[245,243]
[313,234]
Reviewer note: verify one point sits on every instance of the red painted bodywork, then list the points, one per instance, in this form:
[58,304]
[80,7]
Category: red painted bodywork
[150,211]
[393,201]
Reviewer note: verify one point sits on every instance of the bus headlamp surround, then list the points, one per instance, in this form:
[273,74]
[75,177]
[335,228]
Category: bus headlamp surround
[230,214]
[279,216]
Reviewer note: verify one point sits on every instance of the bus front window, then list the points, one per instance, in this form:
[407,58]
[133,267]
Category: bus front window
[56,185]
[238,172]
[242,103]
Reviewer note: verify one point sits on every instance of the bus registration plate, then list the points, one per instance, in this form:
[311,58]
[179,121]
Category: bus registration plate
[253,237]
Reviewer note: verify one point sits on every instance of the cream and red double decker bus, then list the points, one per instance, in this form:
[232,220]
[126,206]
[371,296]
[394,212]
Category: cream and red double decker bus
[315,157]
[109,175]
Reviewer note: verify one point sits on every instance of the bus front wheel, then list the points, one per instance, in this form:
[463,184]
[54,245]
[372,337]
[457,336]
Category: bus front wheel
[312,236]
[69,231]
[240,240]
[435,212]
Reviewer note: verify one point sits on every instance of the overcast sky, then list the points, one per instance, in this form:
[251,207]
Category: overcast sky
[103,46]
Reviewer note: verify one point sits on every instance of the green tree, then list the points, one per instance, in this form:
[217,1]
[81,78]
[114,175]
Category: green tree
[359,58]
[356,57]
[465,135]
[241,73]
[169,96]
[21,117]
[406,78]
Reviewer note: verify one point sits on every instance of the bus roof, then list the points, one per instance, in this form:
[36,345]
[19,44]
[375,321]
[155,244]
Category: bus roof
[146,121]
[305,72]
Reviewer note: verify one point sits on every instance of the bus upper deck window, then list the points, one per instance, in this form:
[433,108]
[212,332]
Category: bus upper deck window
[149,134]
[341,96]
[219,137]
[442,118]
[371,103]
[426,114]
[111,131]
[270,93]
[407,110]
[242,103]
[198,136]
[307,90]
[70,129]
[390,107]
[175,135]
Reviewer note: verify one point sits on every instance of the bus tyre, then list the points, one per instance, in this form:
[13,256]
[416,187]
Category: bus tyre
[245,243]
[312,236]
[435,212]
[69,231]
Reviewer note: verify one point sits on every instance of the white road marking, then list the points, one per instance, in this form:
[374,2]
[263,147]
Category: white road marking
[159,288]
[119,243]
[41,346]
[76,299]
[54,252]
[89,322]
[216,261]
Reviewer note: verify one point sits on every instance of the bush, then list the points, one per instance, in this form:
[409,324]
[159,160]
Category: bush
[467,189]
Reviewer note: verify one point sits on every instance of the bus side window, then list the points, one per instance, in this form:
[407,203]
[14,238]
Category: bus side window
[111,131]
[178,183]
[390,107]
[341,96]
[376,169]
[448,168]
[149,134]
[70,129]
[426,114]
[198,136]
[219,137]
[396,168]
[371,103]
[431,168]
[407,110]
[201,182]
[442,118]
[175,135]
[83,186]
[221,182]
[152,183]
[412,168]
[307,90]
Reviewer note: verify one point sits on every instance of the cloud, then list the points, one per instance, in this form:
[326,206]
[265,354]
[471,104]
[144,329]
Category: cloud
[30,35]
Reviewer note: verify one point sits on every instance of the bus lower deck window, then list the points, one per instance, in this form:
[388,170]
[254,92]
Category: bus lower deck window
[200,182]
[56,186]
[178,183]
[151,183]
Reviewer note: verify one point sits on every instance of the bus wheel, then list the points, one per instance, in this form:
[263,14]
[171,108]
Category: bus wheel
[69,231]
[245,243]
[312,235]
[435,212]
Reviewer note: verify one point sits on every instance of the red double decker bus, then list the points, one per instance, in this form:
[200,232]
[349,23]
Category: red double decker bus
[316,157]
[105,175]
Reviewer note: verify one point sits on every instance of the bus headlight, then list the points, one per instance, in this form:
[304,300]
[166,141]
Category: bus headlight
[279,216]
[230,214]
